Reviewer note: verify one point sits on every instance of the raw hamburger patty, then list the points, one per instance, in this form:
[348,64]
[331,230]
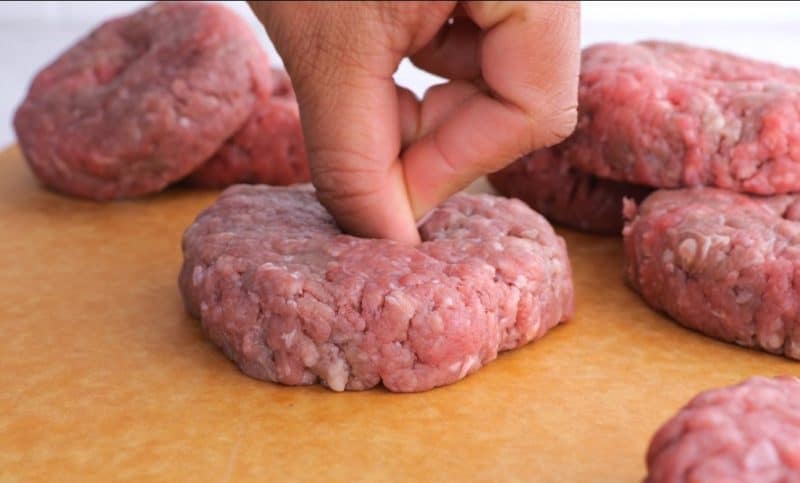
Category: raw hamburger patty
[291,299]
[744,433]
[142,100]
[267,149]
[565,194]
[668,115]
[722,263]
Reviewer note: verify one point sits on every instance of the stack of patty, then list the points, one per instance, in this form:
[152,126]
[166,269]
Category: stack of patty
[174,90]
[717,246]
[664,115]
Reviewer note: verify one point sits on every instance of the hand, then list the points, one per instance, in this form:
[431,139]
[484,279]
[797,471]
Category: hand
[379,157]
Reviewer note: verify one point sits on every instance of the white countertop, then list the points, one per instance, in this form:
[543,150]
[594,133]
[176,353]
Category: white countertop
[33,33]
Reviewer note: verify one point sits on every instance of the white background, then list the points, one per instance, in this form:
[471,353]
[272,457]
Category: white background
[33,33]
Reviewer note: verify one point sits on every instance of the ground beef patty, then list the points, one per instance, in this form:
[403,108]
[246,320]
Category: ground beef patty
[668,115]
[142,100]
[722,263]
[291,299]
[565,194]
[267,149]
[744,433]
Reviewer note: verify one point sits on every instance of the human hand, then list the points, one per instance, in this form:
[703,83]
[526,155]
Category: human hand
[379,157]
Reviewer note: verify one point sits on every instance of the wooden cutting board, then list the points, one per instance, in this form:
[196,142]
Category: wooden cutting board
[104,377]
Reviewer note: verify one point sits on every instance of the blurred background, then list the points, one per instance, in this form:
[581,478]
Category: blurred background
[33,33]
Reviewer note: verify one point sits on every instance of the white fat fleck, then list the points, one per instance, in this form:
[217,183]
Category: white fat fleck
[288,338]
[762,455]
[295,275]
[308,353]
[283,369]
[197,275]
[712,240]
[400,306]
[534,329]
[203,307]
[687,250]
[793,349]
[497,246]
[184,122]
[718,314]
[520,281]
[774,341]
[744,296]
[292,303]
[437,324]
[719,239]
[447,302]
[469,363]
[667,257]
[268,266]
[557,266]
[715,121]
[454,367]
[733,129]
[530,234]
[337,375]
[335,250]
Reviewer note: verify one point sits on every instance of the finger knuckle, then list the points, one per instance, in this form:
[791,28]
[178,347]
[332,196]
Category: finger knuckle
[341,173]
